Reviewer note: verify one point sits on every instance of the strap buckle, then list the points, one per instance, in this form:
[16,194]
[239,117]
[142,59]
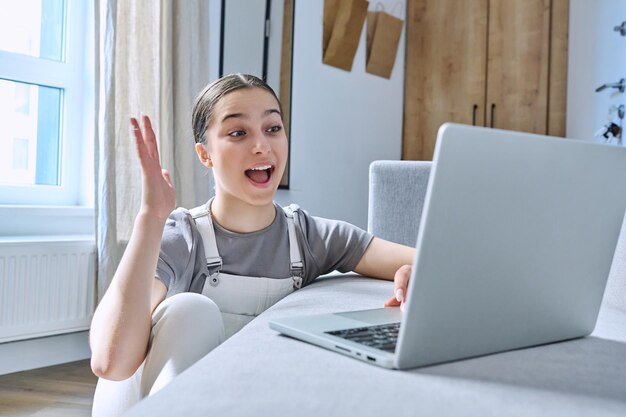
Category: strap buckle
[297,271]
[214,279]
[214,264]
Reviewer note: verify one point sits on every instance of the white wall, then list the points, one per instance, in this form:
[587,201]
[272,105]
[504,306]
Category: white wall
[341,121]
[597,55]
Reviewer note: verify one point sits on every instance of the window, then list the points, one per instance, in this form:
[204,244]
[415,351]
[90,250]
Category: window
[46,110]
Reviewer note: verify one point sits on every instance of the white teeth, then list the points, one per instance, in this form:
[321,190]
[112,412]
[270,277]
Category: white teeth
[263,168]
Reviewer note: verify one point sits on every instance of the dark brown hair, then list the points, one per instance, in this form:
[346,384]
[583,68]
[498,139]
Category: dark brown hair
[211,95]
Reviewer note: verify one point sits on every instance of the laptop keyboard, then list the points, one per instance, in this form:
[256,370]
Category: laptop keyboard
[383,336]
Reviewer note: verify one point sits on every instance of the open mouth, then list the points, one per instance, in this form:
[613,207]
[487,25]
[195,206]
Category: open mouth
[261,174]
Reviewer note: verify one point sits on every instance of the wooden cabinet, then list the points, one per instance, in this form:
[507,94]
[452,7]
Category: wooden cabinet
[497,63]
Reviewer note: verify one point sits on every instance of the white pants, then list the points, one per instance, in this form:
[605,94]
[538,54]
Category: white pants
[185,327]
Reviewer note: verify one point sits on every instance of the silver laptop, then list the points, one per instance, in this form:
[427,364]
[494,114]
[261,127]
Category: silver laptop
[514,248]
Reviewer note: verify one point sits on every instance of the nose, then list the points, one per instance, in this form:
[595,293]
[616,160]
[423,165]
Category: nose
[261,144]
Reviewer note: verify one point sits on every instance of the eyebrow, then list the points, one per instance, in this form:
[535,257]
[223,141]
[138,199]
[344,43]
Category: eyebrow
[245,116]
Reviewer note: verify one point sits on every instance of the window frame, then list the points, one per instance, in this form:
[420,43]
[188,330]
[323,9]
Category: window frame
[75,77]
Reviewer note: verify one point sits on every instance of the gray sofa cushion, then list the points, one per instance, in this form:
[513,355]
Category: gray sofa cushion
[258,372]
[396,197]
[615,292]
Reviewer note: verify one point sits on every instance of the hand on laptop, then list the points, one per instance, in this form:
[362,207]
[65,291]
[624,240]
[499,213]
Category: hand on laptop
[400,286]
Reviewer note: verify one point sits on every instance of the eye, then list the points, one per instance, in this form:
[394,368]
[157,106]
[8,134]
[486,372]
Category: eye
[274,129]
[236,133]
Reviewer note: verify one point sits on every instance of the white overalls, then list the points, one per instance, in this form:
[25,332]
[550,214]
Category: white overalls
[242,298]
[228,302]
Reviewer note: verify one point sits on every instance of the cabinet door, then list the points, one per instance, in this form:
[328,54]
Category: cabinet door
[518,65]
[445,70]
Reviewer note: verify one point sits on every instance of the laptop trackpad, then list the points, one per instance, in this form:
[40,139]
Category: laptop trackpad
[375,316]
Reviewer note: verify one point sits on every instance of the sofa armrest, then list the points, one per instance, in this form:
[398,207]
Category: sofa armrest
[396,197]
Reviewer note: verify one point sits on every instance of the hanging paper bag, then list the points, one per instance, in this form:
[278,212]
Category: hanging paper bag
[331,7]
[347,25]
[382,38]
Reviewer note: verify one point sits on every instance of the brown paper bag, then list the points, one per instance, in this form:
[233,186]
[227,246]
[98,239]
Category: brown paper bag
[347,24]
[382,38]
[330,11]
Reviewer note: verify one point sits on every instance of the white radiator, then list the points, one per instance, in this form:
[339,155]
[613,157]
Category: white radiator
[46,286]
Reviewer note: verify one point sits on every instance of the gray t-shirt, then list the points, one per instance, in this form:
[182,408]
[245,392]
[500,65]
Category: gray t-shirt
[326,245]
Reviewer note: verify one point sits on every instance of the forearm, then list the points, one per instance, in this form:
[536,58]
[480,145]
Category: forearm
[121,325]
[383,258]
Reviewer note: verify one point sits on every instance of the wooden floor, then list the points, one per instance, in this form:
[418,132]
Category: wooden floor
[58,391]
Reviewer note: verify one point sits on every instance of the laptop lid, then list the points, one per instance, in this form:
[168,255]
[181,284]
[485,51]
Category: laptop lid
[515,244]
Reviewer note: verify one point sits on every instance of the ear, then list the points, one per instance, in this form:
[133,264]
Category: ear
[203,156]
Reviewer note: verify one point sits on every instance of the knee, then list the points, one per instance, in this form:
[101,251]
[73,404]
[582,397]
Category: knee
[186,303]
[185,327]
[187,312]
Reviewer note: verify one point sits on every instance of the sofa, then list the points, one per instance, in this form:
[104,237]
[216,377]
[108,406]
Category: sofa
[259,372]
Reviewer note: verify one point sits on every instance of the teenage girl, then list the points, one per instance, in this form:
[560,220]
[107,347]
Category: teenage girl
[191,278]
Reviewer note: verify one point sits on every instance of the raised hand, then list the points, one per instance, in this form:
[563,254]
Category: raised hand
[158,197]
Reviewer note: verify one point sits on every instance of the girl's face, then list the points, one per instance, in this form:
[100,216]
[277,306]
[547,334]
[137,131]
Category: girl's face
[246,146]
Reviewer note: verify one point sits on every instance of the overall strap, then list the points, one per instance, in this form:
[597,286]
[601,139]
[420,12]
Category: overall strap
[297,266]
[204,223]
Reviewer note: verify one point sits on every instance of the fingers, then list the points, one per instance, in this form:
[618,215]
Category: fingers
[401,278]
[167,177]
[392,302]
[146,139]
[150,138]
[139,142]
[400,287]
[401,284]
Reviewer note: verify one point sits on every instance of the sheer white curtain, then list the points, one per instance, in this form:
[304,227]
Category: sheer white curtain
[152,59]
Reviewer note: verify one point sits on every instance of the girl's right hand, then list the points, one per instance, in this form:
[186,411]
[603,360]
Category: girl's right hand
[158,197]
